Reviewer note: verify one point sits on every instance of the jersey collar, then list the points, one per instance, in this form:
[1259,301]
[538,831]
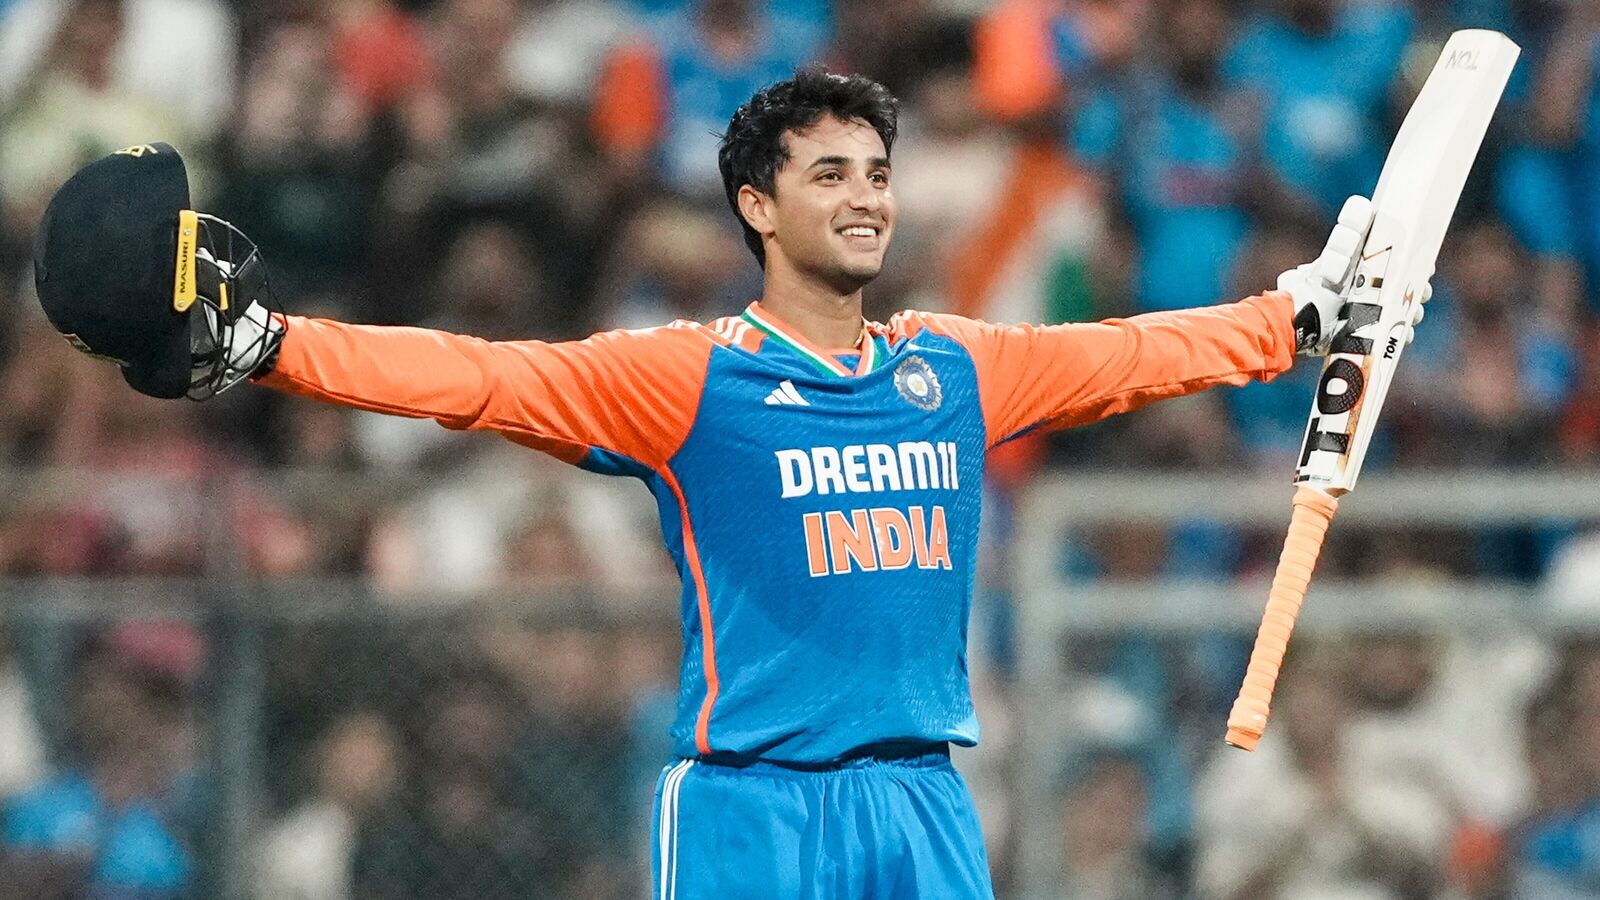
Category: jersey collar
[783,333]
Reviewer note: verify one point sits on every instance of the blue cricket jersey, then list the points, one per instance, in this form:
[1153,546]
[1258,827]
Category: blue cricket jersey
[823,518]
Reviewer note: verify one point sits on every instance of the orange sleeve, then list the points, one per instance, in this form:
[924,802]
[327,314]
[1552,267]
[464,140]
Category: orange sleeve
[1058,376]
[632,393]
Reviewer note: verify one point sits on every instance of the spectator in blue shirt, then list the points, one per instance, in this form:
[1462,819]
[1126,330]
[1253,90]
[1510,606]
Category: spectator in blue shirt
[1549,184]
[115,824]
[1556,851]
[1495,371]
[1181,146]
[702,60]
[1323,71]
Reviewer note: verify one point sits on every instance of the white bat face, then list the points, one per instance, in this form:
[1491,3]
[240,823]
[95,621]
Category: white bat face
[1415,199]
[1367,339]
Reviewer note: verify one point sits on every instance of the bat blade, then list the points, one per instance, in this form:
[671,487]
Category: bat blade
[1415,199]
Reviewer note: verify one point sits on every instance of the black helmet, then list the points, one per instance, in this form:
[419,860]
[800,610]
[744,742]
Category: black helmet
[120,259]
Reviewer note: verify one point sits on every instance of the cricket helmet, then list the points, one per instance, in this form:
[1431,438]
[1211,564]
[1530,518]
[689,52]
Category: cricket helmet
[120,260]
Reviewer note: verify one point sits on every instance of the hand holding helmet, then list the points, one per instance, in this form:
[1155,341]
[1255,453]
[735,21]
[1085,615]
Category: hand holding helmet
[121,262]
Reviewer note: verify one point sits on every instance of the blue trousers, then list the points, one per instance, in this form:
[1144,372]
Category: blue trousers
[868,829]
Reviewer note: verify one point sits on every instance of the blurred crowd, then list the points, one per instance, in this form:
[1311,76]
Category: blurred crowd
[1402,763]
[545,168]
[453,758]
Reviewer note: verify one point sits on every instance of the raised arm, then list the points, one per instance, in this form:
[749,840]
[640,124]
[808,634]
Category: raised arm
[626,393]
[1058,376]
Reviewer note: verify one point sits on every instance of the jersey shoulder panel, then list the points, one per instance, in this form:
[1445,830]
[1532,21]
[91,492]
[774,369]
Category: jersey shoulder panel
[653,379]
[909,323]
[735,331]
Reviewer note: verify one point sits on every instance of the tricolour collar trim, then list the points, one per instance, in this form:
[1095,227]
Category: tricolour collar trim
[777,330]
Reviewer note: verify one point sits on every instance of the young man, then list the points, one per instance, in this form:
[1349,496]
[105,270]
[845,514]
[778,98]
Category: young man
[818,478]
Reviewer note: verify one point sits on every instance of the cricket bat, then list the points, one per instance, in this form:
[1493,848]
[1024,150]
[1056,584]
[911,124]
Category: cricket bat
[1417,195]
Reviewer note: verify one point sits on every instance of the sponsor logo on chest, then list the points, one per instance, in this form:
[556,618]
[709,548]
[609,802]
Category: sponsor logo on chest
[877,538]
[869,468]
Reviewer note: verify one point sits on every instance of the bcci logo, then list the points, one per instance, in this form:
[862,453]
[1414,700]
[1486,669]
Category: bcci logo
[915,381]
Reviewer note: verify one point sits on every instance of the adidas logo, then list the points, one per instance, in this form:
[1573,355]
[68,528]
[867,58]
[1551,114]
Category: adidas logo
[786,395]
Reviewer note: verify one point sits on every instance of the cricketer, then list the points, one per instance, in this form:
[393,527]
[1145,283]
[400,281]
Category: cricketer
[818,475]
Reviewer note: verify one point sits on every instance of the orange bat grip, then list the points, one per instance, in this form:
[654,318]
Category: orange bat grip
[1313,510]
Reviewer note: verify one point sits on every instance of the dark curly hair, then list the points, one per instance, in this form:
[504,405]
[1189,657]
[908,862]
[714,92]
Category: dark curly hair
[753,149]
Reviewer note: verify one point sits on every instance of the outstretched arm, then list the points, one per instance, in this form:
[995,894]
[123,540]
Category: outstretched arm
[1058,376]
[1063,375]
[630,393]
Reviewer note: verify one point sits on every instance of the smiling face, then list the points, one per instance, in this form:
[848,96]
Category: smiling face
[831,213]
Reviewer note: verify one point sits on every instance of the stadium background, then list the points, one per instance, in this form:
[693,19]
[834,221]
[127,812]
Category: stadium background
[275,650]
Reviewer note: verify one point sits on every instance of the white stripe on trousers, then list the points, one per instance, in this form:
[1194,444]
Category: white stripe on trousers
[668,834]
